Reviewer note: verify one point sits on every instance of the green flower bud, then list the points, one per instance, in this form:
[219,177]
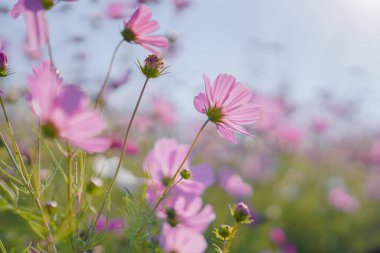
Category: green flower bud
[223,232]
[94,185]
[51,207]
[47,4]
[171,215]
[185,174]
[241,213]
[153,66]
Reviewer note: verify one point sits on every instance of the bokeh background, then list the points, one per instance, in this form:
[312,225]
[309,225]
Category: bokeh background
[312,173]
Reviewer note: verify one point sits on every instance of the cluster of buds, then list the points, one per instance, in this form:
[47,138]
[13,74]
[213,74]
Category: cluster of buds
[240,212]
[153,67]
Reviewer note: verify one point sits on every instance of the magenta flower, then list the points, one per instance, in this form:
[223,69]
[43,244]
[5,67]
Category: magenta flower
[63,110]
[163,161]
[139,27]
[189,214]
[37,33]
[182,240]
[234,185]
[228,104]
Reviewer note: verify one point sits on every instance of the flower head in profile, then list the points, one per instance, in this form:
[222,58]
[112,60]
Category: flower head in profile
[63,110]
[138,30]
[229,104]
[3,62]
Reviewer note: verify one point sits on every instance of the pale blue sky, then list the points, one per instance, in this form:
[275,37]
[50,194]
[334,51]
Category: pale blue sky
[306,45]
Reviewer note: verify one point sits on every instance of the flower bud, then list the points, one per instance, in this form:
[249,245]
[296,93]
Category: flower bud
[223,232]
[153,66]
[51,207]
[3,64]
[171,215]
[94,185]
[241,213]
[185,174]
[47,4]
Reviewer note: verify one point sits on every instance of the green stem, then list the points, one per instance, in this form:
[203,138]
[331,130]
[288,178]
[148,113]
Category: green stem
[69,176]
[121,160]
[100,94]
[26,179]
[168,187]
[233,232]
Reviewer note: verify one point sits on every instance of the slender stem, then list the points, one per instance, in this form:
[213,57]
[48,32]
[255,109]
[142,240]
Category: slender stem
[168,187]
[50,51]
[51,243]
[100,94]
[26,178]
[233,232]
[69,175]
[121,160]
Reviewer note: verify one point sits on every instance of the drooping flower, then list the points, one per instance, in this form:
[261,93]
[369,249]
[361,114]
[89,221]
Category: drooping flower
[182,240]
[229,104]
[138,30]
[189,214]
[36,26]
[163,161]
[63,110]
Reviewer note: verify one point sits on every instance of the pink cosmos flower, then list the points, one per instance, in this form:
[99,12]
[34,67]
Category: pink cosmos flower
[228,104]
[341,200]
[163,161]
[182,240]
[234,185]
[139,27]
[189,214]
[163,111]
[37,33]
[63,110]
